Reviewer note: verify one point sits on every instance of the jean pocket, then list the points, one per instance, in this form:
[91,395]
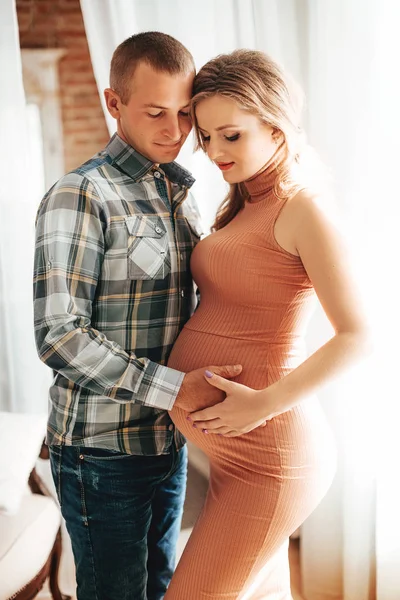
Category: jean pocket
[55,464]
[101,454]
[148,248]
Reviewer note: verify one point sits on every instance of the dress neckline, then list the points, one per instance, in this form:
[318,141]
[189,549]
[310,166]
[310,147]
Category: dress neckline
[261,185]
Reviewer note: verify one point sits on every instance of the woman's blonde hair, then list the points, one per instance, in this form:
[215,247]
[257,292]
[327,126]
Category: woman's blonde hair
[260,86]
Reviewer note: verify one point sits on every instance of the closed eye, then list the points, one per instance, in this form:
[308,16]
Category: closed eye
[183,113]
[233,138]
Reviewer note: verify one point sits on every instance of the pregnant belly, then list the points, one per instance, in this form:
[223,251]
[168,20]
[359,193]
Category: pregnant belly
[299,432]
[199,350]
[262,363]
[196,350]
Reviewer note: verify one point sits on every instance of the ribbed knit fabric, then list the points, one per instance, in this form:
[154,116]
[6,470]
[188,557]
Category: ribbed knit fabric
[256,299]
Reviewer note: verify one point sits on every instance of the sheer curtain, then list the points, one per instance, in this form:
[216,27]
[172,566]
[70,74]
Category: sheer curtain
[354,122]
[342,53]
[23,379]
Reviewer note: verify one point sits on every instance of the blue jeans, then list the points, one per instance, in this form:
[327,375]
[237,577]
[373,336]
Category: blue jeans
[123,514]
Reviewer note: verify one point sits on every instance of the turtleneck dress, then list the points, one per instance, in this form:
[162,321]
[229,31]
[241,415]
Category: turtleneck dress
[256,300]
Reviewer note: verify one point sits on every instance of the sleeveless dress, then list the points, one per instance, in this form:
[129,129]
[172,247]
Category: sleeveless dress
[256,300]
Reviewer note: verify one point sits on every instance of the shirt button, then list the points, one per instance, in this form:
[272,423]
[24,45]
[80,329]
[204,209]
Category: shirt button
[182,293]
[181,255]
[171,427]
[157,174]
[158,230]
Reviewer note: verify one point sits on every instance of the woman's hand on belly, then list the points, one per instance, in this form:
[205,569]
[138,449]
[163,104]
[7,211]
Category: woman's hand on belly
[195,393]
[243,409]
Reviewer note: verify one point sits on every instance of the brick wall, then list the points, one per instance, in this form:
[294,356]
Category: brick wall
[59,24]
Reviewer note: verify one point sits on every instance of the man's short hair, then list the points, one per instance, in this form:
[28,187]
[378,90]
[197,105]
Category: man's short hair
[159,50]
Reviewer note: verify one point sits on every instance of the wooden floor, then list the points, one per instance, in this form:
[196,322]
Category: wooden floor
[196,490]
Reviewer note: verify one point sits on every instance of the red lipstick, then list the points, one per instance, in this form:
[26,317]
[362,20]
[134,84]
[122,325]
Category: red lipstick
[225,166]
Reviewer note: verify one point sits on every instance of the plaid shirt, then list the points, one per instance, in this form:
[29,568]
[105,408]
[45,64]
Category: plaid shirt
[112,290]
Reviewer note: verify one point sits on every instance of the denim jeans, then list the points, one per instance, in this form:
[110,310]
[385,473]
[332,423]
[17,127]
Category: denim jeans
[123,514]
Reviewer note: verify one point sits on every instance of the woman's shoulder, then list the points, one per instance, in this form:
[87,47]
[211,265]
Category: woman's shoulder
[308,210]
[310,202]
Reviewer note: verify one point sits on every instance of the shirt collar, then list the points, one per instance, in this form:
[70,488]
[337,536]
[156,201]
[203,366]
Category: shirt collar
[137,166]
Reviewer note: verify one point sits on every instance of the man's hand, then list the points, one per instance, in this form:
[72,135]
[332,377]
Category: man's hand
[196,393]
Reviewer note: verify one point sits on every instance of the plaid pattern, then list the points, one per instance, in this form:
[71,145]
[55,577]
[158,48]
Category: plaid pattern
[112,290]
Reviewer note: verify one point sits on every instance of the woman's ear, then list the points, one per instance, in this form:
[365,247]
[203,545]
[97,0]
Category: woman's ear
[112,102]
[276,135]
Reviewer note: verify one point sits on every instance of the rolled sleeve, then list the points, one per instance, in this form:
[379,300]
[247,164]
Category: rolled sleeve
[160,386]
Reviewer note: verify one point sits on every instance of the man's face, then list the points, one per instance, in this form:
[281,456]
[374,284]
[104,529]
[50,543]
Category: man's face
[156,120]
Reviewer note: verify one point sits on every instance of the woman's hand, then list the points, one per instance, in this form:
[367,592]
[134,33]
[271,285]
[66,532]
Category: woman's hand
[243,409]
[194,393]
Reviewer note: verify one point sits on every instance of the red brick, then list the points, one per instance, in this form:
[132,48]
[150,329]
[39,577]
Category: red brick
[79,64]
[24,22]
[59,24]
[78,78]
[83,113]
[91,124]
[80,103]
[70,23]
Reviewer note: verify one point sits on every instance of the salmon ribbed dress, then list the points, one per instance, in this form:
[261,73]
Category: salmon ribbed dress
[256,300]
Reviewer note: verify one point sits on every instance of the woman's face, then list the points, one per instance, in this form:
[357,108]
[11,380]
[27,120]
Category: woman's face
[234,139]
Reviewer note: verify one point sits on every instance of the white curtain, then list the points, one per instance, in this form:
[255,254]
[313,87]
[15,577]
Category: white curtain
[23,379]
[353,539]
[342,52]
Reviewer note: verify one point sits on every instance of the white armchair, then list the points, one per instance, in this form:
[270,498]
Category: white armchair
[30,538]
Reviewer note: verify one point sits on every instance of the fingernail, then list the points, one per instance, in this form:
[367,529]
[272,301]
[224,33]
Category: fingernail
[205,431]
[194,425]
[189,418]
[209,374]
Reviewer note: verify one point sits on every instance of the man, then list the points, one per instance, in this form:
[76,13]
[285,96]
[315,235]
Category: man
[112,291]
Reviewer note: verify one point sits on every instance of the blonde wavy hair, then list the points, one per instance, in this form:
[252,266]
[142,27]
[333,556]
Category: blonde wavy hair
[260,86]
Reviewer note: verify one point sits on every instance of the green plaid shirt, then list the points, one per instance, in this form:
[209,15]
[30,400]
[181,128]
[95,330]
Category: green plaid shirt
[112,291]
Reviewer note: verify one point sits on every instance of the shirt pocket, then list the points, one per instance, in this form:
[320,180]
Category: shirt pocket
[148,248]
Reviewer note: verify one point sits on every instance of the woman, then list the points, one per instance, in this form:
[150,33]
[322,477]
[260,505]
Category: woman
[273,247]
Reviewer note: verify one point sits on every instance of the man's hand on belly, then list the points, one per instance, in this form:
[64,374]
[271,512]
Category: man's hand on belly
[196,393]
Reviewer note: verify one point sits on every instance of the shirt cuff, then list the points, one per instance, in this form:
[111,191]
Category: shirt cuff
[163,386]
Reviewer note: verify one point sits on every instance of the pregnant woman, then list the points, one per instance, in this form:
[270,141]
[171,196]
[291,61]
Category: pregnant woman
[272,250]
